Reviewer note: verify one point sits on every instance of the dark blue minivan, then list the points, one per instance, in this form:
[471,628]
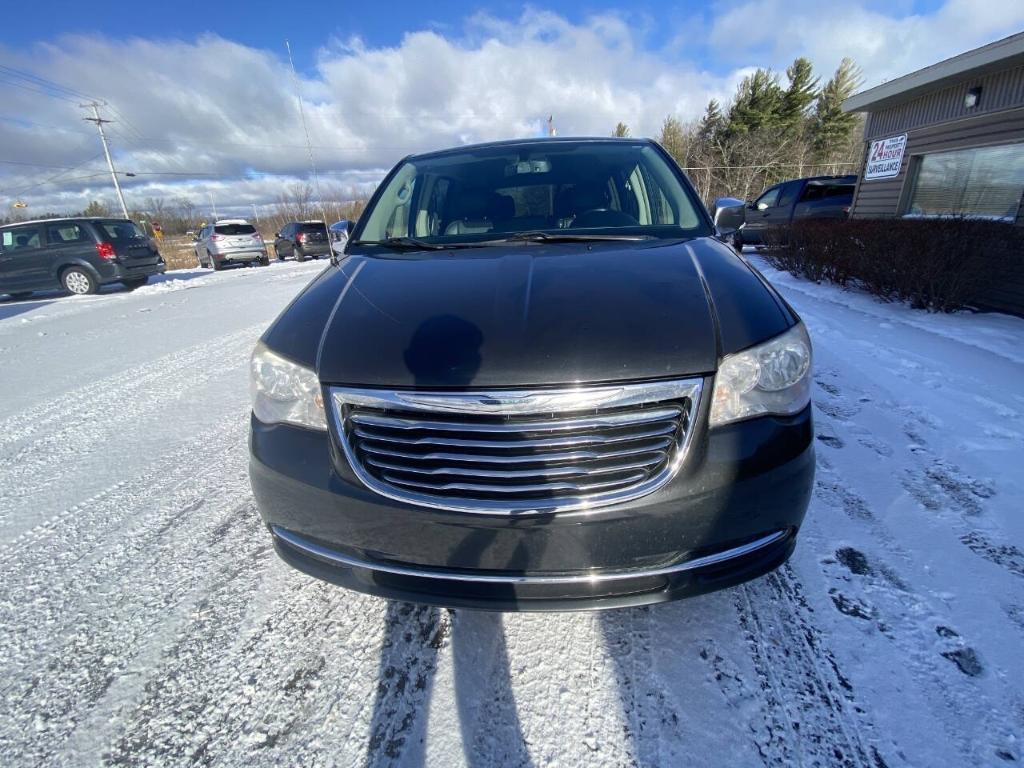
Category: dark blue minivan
[76,254]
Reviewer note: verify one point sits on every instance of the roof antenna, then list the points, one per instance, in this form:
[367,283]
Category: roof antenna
[309,150]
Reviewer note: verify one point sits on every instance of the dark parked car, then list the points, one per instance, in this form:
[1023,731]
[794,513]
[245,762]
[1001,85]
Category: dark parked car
[818,197]
[339,232]
[76,254]
[535,380]
[302,239]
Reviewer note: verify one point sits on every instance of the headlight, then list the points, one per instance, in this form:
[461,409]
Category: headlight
[771,378]
[285,392]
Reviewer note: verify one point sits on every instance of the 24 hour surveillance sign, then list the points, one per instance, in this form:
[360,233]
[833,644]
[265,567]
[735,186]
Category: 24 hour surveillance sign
[885,158]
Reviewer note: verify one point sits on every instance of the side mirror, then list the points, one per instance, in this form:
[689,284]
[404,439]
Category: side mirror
[277,234]
[729,214]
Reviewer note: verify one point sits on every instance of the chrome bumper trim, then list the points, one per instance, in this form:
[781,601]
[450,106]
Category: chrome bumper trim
[337,558]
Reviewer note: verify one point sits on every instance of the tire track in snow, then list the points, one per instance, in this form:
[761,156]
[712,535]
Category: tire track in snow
[812,717]
[930,649]
[81,604]
[867,589]
[109,392]
[649,715]
[228,688]
[70,427]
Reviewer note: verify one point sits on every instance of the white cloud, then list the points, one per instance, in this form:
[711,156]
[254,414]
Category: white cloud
[212,106]
[774,32]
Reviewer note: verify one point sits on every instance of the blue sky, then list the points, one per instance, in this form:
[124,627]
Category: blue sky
[203,101]
[309,25]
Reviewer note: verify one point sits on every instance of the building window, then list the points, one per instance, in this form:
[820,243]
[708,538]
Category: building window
[985,182]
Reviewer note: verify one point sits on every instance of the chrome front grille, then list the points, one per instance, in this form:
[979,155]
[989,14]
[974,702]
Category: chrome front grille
[515,451]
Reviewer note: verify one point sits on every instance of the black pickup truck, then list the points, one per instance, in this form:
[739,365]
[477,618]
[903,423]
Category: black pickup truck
[817,197]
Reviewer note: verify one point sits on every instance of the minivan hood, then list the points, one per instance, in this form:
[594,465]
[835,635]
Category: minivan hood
[519,315]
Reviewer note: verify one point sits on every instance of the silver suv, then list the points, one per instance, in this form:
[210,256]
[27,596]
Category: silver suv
[230,241]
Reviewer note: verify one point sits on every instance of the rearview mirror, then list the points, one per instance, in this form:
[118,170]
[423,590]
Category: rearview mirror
[538,165]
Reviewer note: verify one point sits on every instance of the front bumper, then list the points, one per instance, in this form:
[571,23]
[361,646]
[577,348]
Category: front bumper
[731,514]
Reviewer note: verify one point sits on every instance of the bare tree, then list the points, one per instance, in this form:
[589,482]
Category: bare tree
[295,203]
[186,211]
[157,207]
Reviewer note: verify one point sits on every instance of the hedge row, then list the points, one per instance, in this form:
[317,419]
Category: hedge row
[936,264]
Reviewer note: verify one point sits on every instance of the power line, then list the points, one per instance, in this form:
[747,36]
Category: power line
[41,81]
[38,165]
[763,167]
[37,90]
[56,176]
[124,120]
[63,179]
[23,121]
[309,144]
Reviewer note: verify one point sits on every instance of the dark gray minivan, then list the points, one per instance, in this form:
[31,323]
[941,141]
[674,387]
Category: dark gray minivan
[76,254]
[535,379]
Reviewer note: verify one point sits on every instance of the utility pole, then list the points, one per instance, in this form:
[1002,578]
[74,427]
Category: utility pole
[255,214]
[214,206]
[309,148]
[95,107]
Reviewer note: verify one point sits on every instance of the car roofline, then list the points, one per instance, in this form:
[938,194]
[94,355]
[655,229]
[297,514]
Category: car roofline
[530,142]
[62,218]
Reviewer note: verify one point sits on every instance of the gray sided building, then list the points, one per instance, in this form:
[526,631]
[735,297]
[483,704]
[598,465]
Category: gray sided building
[948,140]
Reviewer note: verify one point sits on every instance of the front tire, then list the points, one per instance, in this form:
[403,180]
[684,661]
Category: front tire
[135,282]
[78,282]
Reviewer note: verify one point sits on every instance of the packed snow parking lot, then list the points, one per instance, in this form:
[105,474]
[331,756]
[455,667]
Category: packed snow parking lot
[145,619]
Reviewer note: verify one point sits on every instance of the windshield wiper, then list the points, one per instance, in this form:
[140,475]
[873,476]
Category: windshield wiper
[557,237]
[414,244]
[405,244]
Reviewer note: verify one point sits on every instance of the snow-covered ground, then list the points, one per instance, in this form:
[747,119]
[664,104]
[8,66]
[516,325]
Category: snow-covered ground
[144,618]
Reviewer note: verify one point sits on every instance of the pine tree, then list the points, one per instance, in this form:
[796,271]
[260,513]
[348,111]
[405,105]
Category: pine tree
[673,138]
[713,124]
[798,96]
[621,131]
[757,103]
[831,127]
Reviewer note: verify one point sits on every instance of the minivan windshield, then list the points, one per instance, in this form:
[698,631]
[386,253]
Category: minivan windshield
[543,190]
